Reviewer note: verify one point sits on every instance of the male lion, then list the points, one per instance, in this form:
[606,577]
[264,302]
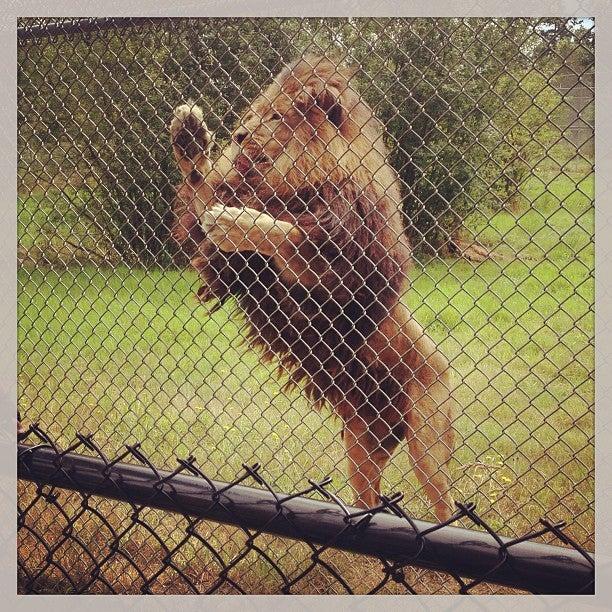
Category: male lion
[299,220]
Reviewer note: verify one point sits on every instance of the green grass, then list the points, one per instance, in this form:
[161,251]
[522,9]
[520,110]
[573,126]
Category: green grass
[554,220]
[52,228]
[129,355]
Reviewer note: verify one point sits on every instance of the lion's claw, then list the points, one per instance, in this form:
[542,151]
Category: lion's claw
[189,131]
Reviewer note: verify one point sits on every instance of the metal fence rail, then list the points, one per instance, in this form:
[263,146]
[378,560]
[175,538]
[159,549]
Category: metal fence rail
[385,532]
[487,124]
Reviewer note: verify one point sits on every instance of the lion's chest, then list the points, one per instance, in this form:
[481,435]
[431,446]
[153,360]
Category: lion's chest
[310,325]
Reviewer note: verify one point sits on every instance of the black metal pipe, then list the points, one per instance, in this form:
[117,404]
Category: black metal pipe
[531,566]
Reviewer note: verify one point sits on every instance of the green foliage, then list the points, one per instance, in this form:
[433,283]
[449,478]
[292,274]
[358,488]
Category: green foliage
[469,106]
[525,132]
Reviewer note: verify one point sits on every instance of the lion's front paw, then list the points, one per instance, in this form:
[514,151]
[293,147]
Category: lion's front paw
[189,132]
[236,229]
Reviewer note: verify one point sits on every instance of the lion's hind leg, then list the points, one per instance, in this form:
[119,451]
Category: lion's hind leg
[191,142]
[370,440]
[430,432]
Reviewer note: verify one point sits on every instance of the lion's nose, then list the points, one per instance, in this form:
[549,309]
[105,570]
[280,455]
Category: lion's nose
[240,135]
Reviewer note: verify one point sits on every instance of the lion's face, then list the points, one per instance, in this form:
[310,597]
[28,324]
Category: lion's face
[281,137]
[307,127]
[266,129]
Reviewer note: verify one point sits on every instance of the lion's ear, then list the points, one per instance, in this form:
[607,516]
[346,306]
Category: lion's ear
[329,101]
[327,98]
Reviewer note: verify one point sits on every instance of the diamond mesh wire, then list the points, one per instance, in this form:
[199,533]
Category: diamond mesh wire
[489,126]
[375,550]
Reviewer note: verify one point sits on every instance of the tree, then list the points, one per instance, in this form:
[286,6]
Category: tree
[469,107]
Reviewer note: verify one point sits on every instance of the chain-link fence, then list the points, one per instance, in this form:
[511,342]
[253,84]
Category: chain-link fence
[62,557]
[483,139]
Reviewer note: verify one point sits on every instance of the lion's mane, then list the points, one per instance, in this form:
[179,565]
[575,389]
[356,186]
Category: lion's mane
[344,195]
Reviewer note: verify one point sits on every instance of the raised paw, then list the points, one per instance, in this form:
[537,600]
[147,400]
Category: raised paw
[190,138]
[237,229]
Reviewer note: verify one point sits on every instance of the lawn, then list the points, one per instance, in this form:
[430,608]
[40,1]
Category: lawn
[129,355]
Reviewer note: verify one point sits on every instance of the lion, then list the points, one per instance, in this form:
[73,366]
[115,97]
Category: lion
[299,219]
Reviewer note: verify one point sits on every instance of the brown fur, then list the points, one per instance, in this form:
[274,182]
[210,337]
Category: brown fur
[299,220]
